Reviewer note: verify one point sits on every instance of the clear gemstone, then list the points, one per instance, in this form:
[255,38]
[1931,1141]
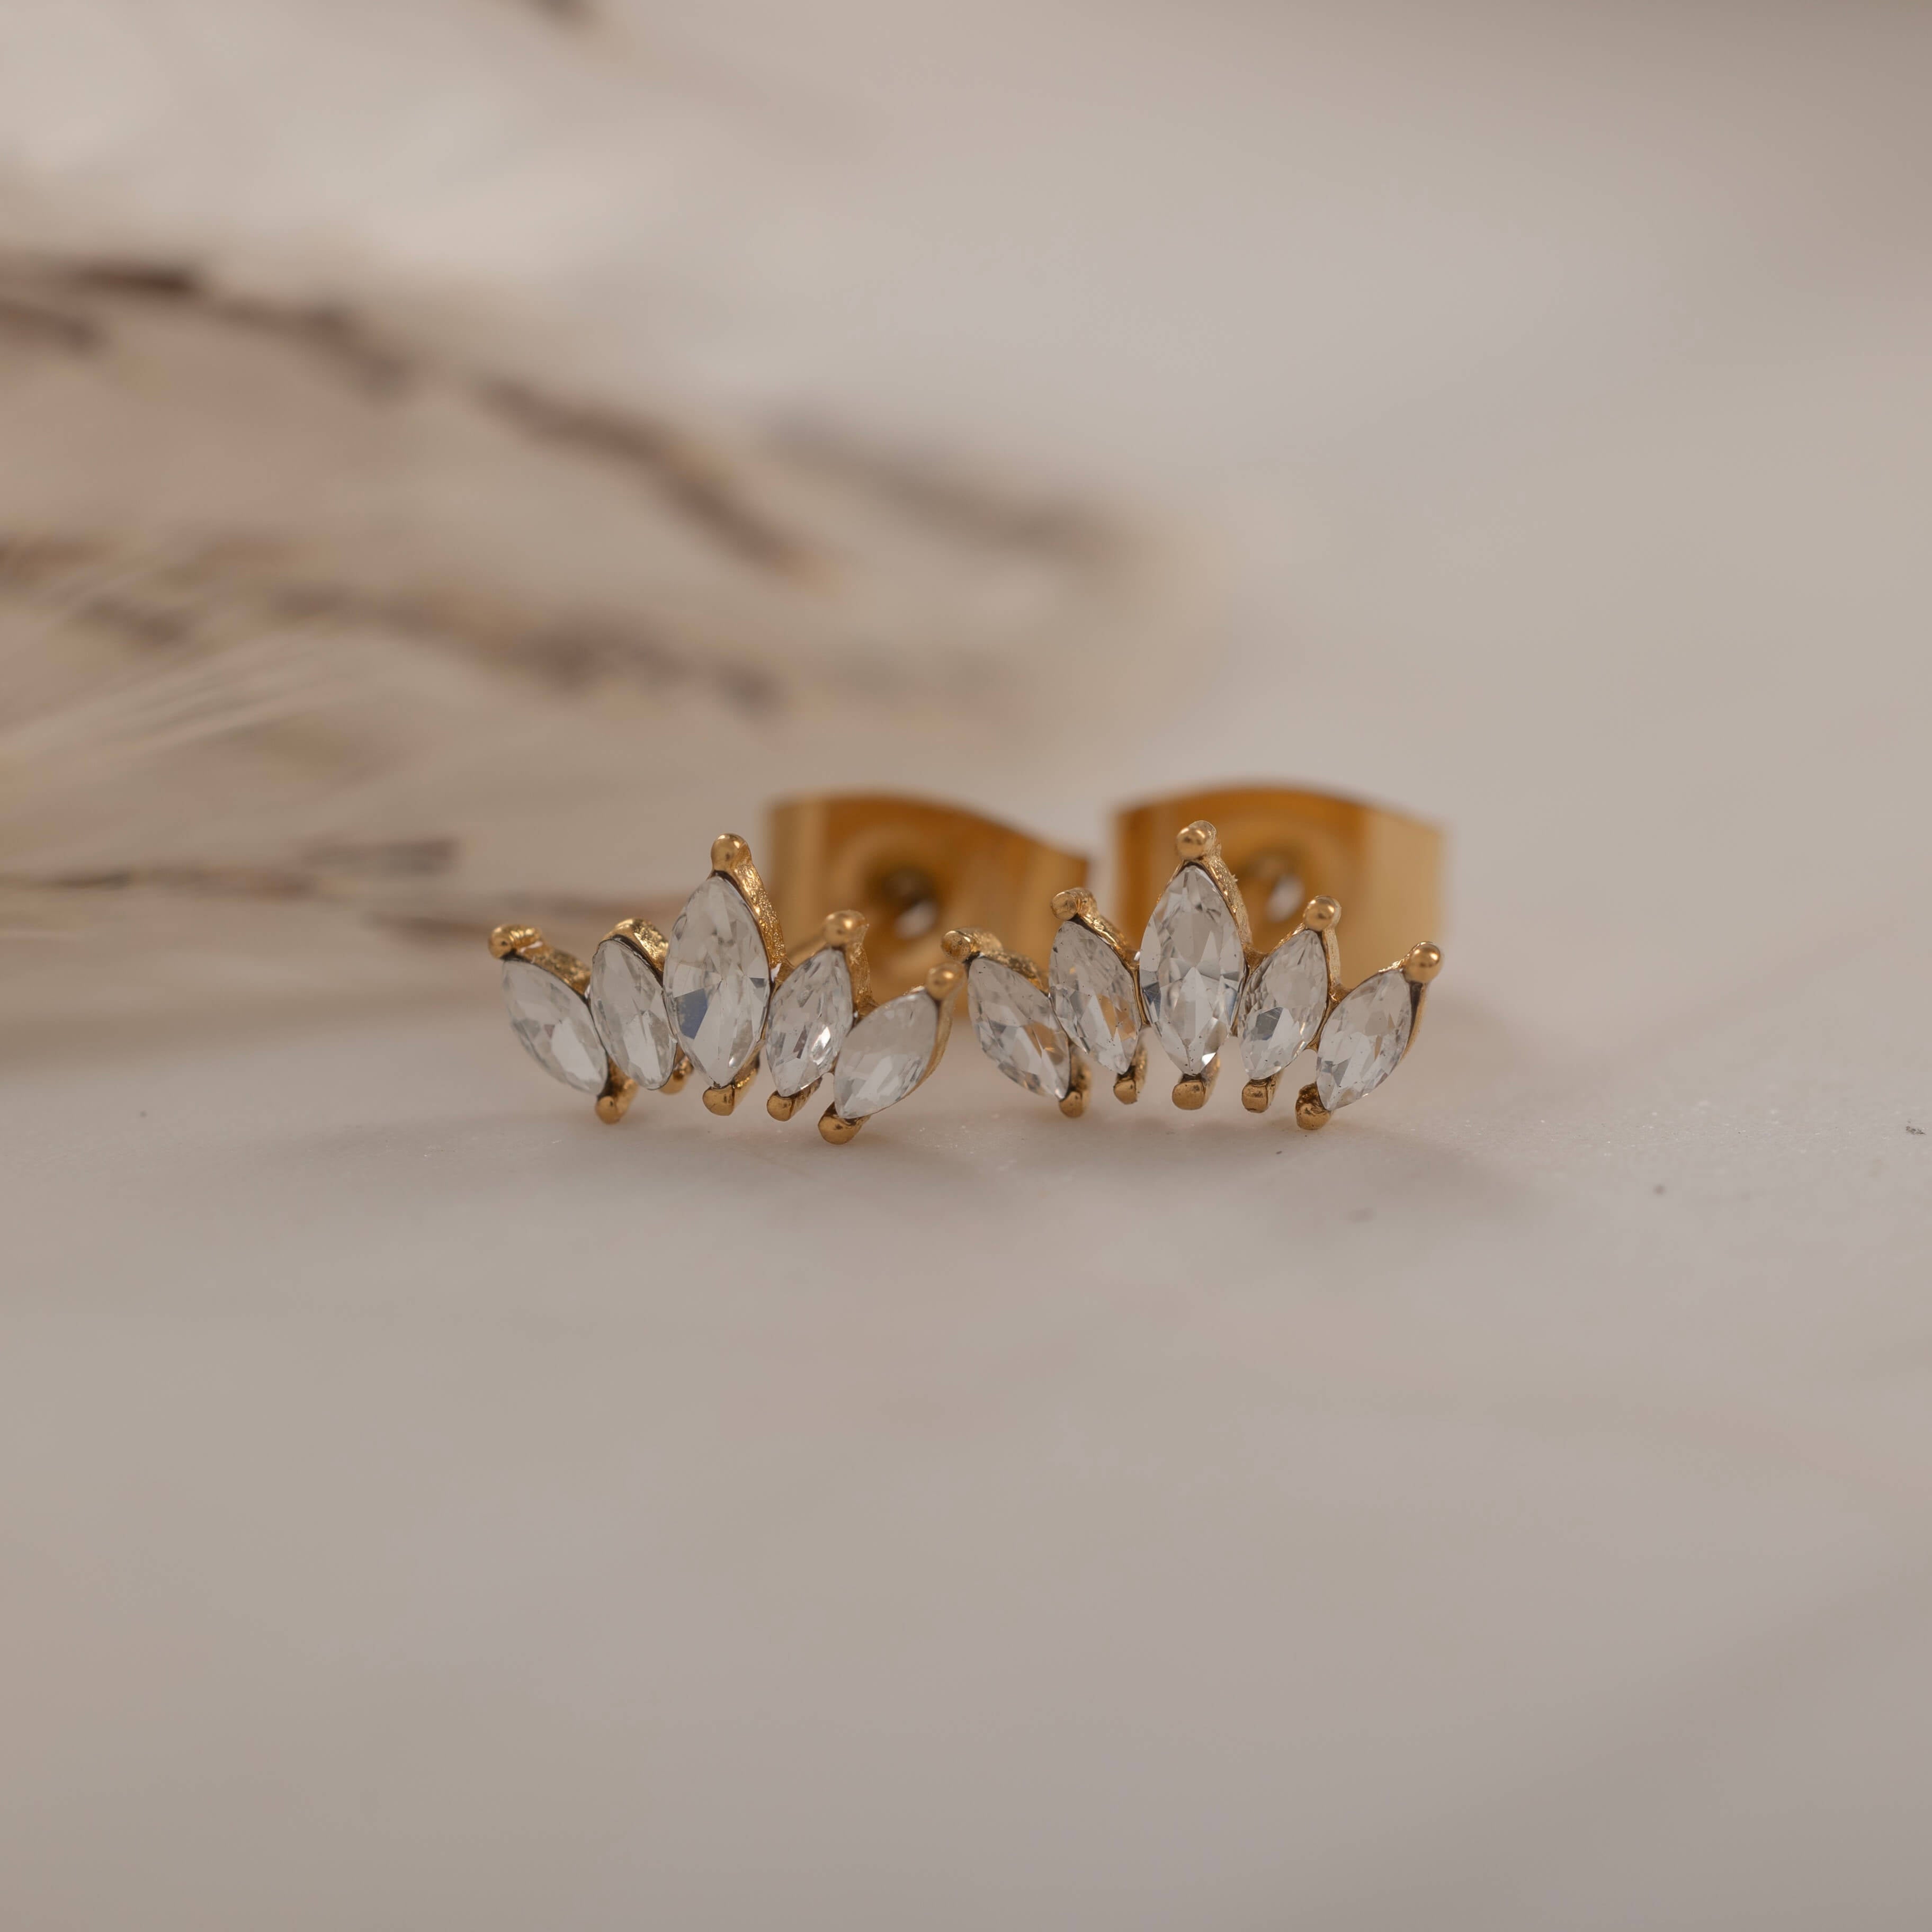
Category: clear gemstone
[1014,1022]
[811,1014]
[553,1023]
[1094,997]
[1282,1004]
[627,1001]
[717,979]
[885,1055]
[1364,1038]
[1191,967]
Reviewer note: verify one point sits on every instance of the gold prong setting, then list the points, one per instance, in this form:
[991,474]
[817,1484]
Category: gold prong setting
[826,990]
[544,989]
[720,1099]
[725,956]
[611,1029]
[1287,995]
[1289,1001]
[629,1010]
[783,1106]
[1194,958]
[891,1052]
[1012,1013]
[614,1102]
[1095,992]
[1369,1031]
[1191,1090]
[1257,1096]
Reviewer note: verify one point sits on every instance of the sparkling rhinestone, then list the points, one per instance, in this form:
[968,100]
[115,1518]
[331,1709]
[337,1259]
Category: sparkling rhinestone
[885,1055]
[1364,1040]
[627,1001]
[1014,1020]
[717,980]
[1094,997]
[1282,1004]
[1191,970]
[552,1021]
[811,1014]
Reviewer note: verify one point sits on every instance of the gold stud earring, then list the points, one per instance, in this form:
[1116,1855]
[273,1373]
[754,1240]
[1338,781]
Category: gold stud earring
[869,1000]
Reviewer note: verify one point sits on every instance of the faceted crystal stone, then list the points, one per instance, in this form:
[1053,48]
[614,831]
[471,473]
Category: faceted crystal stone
[885,1055]
[1192,965]
[717,980]
[811,1014]
[1365,1037]
[1282,1004]
[627,1001]
[1094,997]
[1014,1022]
[554,1024]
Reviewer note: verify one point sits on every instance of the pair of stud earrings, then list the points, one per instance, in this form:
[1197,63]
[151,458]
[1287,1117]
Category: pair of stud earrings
[722,995]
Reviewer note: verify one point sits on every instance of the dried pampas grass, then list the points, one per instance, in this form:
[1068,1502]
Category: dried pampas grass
[297,609]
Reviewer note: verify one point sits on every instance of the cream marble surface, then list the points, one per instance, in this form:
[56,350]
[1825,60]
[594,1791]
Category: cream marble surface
[423,1502]
[1509,1510]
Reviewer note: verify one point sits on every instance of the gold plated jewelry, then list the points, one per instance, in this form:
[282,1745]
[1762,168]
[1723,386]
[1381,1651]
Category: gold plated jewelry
[891,1052]
[1194,955]
[1284,999]
[1287,845]
[545,988]
[1096,995]
[914,868]
[721,995]
[824,989]
[1012,1016]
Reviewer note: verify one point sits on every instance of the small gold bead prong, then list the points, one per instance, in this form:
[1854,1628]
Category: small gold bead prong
[783,1106]
[614,1102]
[1423,964]
[966,943]
[1321,914]
[1198,841]
[728,852]
[833,1127]
[1127,1087]
[1257,1096]
[1073,902]
[942,981]
[681,1070]
[1075,1103]
[843,929]
[1309,1113]
[722,1099]
[1192,1090]
[505,940]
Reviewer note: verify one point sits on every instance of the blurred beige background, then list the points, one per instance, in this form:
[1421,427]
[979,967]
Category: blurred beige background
[459,454]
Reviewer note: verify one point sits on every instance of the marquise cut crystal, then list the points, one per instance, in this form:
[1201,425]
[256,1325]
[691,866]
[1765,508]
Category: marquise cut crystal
[717,980]
[811,1014]
[885,1055]
[627,1001]
[1366,1035]
[1094,997]
[1191,968]
[1282,1004]
[1015,1022]
[553,1023]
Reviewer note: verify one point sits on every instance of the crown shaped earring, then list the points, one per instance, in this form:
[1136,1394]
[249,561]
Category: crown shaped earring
[722,995]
